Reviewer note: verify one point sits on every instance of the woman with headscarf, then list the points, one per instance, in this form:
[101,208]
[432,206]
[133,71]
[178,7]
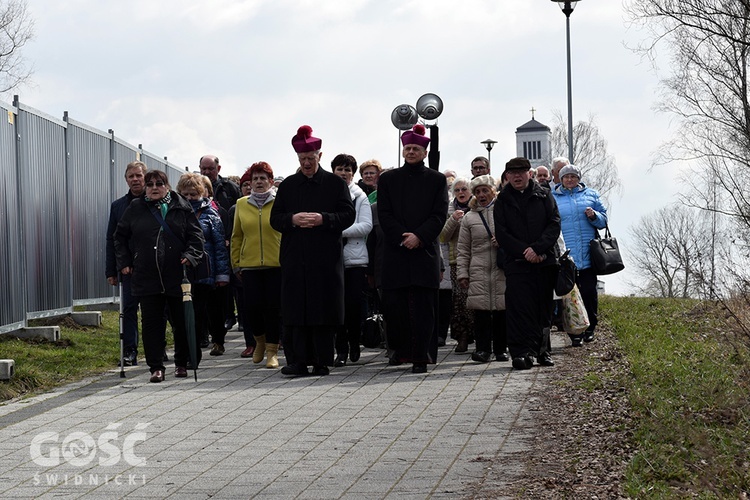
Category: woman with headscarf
[156,238]
[581,215]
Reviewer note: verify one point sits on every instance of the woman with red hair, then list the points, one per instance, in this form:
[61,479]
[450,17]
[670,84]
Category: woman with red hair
[255,259]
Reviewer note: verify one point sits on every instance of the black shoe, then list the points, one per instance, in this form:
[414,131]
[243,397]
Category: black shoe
[130,358]
[523,362]
[441,342]
[503,356]
[340,361]
[354,353]
[545,360]
[393,361]
[576,340]
[588,336]
[419,368]
[480,356]
[295,370]
[229,323]
[320,371]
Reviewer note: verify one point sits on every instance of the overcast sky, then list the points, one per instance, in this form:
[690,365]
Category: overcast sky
[237,78]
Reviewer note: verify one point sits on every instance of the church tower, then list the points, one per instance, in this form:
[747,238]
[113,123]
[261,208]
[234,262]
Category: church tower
[533,142]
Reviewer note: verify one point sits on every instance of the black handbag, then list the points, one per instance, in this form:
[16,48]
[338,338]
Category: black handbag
[605,254]
[566,274]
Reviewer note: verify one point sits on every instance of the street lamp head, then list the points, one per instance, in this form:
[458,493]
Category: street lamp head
[488,144]
[567,6]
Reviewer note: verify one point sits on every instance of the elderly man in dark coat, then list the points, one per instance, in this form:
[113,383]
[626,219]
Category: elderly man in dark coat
[412,207]
[527,224]
[311,210]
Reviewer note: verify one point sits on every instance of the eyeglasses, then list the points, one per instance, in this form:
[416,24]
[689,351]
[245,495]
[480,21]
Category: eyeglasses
[155,184]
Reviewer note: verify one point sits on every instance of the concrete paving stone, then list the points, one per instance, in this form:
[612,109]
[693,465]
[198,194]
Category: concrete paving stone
[366,431]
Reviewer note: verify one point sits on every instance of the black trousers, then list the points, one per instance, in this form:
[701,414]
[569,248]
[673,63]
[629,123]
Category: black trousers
[350,332]
[411,319]
[261,289]
[586,282]
[528,309]
[445,311]
[309,345]
[153,330]
[490,331]
[208,302]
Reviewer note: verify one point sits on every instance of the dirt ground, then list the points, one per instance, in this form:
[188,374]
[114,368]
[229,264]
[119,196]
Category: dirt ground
[582,447]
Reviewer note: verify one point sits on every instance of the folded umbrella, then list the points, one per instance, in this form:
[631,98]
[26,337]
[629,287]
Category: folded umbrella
[189,312]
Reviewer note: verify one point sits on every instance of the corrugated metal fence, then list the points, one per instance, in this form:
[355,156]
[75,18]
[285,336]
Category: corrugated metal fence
[58,180]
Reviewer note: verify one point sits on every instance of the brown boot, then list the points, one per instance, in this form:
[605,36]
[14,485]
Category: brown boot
[272,351]
[260,348]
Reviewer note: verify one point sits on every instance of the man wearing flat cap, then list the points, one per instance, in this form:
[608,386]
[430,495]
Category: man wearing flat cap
[527,225]
[412,207]
[311,210]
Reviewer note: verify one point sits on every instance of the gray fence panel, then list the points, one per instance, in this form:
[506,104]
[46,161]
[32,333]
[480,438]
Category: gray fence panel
[44,212]
[122,154]
[12,306]
[89,181]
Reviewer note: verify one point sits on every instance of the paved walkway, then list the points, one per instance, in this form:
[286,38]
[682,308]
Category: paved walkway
[367,430]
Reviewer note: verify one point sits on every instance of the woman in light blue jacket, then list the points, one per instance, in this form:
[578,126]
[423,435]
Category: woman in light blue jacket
[355,263]
[581,214]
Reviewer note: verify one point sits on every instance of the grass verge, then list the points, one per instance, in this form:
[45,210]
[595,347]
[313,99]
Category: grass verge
[690,397]
[41,365]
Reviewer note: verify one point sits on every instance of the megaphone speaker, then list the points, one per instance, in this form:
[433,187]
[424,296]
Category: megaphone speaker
[404,117]
[429,106]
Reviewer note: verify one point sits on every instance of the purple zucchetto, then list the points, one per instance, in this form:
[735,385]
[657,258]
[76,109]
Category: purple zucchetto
[304,142]
[415,136]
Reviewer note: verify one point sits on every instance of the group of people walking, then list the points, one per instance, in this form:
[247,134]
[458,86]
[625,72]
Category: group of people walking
[308,252]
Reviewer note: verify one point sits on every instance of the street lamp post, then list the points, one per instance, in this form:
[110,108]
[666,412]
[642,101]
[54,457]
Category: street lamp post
[567,7]
[489,144]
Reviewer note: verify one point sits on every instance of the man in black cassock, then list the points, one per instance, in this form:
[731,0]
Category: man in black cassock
[412,207]
[312,207]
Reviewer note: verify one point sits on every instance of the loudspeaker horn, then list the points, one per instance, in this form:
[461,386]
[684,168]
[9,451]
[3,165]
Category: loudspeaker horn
[404,117]
[429,106]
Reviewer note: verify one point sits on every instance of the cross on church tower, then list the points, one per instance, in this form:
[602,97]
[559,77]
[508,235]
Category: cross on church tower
[532,112]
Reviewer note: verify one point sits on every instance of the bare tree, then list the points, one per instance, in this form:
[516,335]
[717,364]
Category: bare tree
[707,90]
[672,252]
[598,167]
[16,29]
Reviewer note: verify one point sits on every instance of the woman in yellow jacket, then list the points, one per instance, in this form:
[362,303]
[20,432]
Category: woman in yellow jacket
[255,260]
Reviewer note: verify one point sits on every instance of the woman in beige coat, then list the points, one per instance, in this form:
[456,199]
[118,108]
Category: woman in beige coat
[478,272]
[462,318]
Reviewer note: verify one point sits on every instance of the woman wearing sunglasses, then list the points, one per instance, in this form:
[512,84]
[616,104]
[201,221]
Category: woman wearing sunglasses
[158,235]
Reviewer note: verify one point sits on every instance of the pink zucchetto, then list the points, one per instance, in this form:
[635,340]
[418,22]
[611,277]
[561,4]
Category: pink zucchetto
[304,142]
[415,136]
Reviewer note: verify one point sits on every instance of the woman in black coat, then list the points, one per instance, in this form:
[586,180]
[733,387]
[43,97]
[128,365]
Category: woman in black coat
[154,255]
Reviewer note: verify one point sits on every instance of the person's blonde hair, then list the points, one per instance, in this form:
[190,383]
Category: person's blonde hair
[370,163]
[191,181]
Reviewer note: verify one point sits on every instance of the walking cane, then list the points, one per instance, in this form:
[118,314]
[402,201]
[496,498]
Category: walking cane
[122,333]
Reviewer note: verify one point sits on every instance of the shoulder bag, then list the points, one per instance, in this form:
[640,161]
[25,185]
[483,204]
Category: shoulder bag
[605,254]
[500,252]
